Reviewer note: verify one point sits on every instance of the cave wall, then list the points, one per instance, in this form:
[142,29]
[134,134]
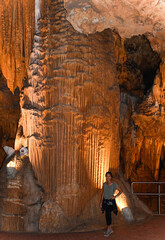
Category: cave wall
[139,72]
[144,143]
[9,116]
[88,103]
[150,119]
[144,139]
[141,79]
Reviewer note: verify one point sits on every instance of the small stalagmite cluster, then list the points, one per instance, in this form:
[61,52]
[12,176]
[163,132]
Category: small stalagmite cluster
[83,102]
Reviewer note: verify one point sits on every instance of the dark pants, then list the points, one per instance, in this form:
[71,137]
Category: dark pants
[108,211]
[108,206]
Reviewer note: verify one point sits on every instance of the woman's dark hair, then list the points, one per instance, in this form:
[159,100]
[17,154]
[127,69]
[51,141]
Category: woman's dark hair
[109,174]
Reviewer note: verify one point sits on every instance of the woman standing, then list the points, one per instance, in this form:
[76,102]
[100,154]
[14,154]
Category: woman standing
[108,203]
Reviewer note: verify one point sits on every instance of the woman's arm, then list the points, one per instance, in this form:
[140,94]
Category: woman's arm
[119,193]
[101,200]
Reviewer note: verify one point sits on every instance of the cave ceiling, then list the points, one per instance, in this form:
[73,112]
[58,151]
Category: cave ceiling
[128,17]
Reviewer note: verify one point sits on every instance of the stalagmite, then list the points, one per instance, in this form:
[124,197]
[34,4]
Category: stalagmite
[68,111]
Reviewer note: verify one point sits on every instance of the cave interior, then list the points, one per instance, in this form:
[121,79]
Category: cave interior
[85,98]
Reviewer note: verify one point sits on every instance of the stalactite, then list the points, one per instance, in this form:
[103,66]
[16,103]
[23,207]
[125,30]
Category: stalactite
[17,30]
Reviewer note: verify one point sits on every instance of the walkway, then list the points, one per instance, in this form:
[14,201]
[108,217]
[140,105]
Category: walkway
[154,229]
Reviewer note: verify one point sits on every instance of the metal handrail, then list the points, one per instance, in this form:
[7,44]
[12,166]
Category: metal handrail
[159,194]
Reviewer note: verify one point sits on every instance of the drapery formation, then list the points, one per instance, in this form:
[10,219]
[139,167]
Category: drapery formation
[17,26]
[70,109]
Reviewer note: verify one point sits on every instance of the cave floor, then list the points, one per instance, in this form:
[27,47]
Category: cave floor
[151,230]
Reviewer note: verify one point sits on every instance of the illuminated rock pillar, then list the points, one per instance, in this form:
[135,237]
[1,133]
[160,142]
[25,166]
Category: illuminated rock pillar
[70,109]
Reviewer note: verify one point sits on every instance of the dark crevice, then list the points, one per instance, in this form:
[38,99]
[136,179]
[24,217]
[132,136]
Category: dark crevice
[148,79]
[140,65]
[143,58]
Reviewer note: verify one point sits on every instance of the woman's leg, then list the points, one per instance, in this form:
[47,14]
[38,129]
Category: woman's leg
[108,216]
[108,220]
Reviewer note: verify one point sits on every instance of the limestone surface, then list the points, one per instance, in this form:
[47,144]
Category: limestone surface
[131,17]
[91,98]
[9,116]
[70,110]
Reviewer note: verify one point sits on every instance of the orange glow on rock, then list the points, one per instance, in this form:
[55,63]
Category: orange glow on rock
[121,201]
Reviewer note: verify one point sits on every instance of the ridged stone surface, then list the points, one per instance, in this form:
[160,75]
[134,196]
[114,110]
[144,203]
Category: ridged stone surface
[70,110]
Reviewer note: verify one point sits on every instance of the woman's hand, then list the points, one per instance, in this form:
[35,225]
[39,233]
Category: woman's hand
[101,204]
[119,193]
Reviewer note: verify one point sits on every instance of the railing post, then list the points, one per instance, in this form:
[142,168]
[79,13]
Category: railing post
[158,193]
[159,199]
[132,187]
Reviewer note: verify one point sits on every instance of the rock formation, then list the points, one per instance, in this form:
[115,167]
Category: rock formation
[128,17]
[17,26]
[138,71]
[90,101]
[9,116]
[67,111]
[21,197]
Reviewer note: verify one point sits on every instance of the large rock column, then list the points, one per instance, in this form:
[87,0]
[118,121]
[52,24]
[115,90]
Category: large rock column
[70,110]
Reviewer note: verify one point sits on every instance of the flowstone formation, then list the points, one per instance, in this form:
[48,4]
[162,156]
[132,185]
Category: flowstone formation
[89,103]
[67,112]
